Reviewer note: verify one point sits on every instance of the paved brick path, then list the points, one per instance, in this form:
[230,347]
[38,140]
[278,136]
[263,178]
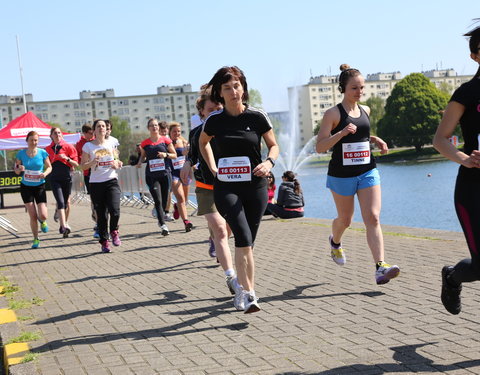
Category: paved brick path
[160,305]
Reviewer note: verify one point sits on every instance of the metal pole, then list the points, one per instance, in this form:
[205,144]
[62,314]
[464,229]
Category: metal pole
[21,76]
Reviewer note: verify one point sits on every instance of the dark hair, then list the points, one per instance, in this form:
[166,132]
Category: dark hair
[163,125]
[272,180]
[205,94]
[30,134]
[86,128]
[53,129]
[150,120]
[108,124]
[345,76]
[473,43]
[223,75]
[290,177]
[97,121]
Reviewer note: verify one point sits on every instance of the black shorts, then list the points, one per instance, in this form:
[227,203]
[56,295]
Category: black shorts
[33,193]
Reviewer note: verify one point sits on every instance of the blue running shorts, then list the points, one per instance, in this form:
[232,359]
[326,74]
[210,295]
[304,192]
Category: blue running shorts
[349,185]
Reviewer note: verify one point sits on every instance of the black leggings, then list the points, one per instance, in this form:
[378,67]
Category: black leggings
[106,200]
[159,188]
[279,211]
[242,204]
[61,190]
[467,205]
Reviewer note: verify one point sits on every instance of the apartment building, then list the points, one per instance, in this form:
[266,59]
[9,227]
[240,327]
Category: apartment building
[309,102]
[170,103]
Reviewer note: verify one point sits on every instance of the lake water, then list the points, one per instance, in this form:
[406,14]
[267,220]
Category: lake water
[409,197]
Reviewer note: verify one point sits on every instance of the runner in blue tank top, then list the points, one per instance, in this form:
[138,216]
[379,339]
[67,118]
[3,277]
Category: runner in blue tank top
[352,170]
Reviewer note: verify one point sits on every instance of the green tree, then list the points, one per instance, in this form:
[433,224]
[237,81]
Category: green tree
[317,127]
[412,112]
[121,130]
[255,98]
[377,111]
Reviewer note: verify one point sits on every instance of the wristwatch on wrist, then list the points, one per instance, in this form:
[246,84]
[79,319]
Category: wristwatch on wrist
[271,161]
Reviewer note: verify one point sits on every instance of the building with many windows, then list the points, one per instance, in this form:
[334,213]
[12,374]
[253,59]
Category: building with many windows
[321,93]
[170,103]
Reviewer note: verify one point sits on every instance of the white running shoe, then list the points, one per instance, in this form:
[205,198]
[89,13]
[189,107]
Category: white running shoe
[250,302]
[231,283]
[238,300]
[168,217]
[164,228]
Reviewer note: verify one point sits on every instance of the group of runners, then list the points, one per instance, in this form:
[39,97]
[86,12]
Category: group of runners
[230,169]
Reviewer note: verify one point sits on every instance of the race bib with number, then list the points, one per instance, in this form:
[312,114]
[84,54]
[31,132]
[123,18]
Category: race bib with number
[156,165]
[356,153]
[234,169]
[178,162]
[106,162]
[31,176]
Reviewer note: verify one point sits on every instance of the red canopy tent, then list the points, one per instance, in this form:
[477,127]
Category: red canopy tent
[12,136]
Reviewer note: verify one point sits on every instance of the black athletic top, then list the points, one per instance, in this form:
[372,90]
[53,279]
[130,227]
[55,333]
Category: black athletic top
[151,152]
[336,167]
[238,135]
[202,173]
[468,95]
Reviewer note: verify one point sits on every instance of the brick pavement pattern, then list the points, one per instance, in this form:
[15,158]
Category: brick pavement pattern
[160,305]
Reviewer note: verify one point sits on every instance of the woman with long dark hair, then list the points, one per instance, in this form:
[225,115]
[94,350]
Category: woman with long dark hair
[64,159]
[240,187]
[464,109]
[101,156]
[290,201]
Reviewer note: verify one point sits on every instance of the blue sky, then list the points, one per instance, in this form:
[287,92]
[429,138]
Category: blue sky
[136,46]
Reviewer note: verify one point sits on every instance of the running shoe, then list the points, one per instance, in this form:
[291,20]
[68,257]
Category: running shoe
[176,213]
[238,299]
[231,284]
[385,272]
[188,226]
[154,212]
[61,230]
[211,249]
[450,294]
[105,246]
[168,217]
[36,243]
[44,226]
[337,253]
[95,232]
[66,231]
[55,215]
[164,228]
[250,302]
[115,238]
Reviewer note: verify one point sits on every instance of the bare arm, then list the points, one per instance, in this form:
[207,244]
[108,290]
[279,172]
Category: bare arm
[86,162]
[141,158]
[48,168]
[263,168]
[445,129]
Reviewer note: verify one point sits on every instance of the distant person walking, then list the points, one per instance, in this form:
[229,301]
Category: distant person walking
[34,165]
[464,108]
[63,157]
[290,201]
[100,155]
[352,170]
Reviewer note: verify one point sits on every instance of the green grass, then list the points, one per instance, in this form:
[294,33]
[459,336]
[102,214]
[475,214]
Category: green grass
[24,318]
[18,304]
[25,336]
[37,301]
[29,357]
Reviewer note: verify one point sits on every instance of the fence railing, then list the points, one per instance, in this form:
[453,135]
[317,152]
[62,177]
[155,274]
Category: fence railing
[132,182]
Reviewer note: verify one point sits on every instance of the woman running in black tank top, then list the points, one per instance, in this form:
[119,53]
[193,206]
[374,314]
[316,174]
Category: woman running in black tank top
[464,108]
[346,129]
